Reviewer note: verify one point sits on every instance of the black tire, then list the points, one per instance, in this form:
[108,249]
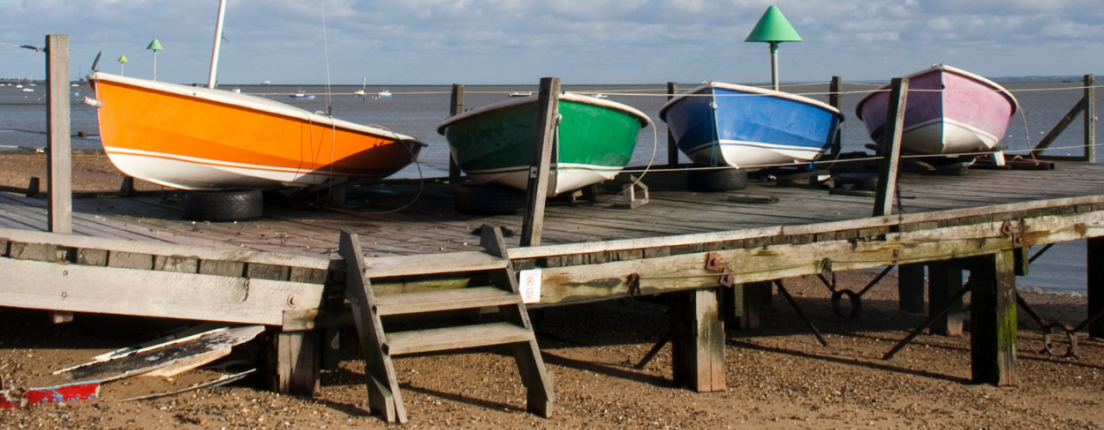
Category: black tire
[860,181]
[223,206]
[709,180]
[486,199]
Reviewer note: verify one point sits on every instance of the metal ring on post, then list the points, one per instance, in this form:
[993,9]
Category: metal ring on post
[1049,347]
[856,304]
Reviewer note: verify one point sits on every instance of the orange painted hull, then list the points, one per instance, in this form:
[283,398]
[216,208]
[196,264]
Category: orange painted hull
[201,139]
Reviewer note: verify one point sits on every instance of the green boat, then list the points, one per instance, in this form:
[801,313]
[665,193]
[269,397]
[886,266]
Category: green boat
[594,141]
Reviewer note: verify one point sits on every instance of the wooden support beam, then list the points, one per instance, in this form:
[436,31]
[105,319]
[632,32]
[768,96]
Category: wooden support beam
[891,150]
[993,319]
[455,108]
[1089,101]
[1059,128]
[294,362]
[835,99]
[698,341]
[59,155]
[672,146]
[944,283]
[544,138]
[1095,287]
[910,287]
[744,304]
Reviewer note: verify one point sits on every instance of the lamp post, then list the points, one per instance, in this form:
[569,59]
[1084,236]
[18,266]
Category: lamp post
[122,64]
[154,46]
[773,28]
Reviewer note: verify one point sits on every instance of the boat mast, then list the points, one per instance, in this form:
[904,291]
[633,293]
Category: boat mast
[218,43]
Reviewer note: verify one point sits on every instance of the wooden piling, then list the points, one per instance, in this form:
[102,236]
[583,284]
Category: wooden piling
[1095,287]
[891,151]
[944,283]
[697,336]
[744,304]
[544,133]
[59,155]
[835,98]
[910,287]
[993,319]
[672,147]
[1089,101]
[455,108]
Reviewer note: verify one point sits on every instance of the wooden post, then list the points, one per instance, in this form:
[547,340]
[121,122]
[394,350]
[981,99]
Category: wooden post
[1090,119]
[544,135]
[672,147]
[455,108]
[745,303]
[910,287]
[944,282]
[697,340]
[835,90]
[1095,287]
[59,155]
[993,319]
[891,151]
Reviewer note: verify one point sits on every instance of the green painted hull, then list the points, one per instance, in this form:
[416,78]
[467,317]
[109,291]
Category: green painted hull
[595,141]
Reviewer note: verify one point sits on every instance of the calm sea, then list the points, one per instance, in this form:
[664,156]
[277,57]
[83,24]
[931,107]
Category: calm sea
[418,110]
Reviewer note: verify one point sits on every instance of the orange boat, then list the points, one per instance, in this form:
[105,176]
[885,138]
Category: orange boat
[197,138]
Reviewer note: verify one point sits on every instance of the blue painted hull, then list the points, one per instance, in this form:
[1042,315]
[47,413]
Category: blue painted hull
[746,127]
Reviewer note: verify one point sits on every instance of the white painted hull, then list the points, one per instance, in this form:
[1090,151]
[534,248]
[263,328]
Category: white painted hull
[947,136]
[190,173]
[560,178]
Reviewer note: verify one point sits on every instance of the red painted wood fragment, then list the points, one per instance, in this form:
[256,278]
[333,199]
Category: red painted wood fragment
[6,402]
[61,393]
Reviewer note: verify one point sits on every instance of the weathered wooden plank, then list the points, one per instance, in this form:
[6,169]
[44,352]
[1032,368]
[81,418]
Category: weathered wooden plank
[129,260]
[92,257]
[59,155]
[456,106]
[382,267]
[697,339]
[744,302]
[176,263]
[891,147]
[267,271]
[540,160]
[993,320]
[310,276]
[298,363]
[33,251]
[1089,136]
[77,288]
[222,268]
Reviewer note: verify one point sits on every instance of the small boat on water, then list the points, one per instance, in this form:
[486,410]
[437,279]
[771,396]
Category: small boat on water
[595,141]
[720,124]
[360,93]
[521,94]
[28,90]
[948,111]
[196,138]
[302,96]
[384,94]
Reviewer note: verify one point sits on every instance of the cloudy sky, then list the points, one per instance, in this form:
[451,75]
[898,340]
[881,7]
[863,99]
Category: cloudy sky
[580,41]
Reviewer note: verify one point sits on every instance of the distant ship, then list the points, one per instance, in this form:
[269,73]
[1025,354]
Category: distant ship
[521,94]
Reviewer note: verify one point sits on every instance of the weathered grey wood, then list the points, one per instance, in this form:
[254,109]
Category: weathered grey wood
[77,288]
[129,260]
[891,149]
[1095,285]
[384,396]
[222,268]
[469,336]
[910,287]
[944,283]
[436,301]
[455,107]
[310,276]
[174,263]
[1059,128]
[544,138]
[993,320]
[34,251]
[697,339]
[267,271]
[471,261]
[835,99]
[1090,118]
[672,145]
[746,302]
[298,359]
[92,257]
[59,155]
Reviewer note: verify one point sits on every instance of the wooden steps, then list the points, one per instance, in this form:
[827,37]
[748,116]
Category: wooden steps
[447,300]
[379,346]
[469,336]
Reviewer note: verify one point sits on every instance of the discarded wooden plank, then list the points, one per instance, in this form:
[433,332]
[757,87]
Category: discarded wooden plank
[186,364]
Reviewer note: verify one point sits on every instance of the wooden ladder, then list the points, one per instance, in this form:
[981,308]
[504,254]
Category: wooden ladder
[378,347]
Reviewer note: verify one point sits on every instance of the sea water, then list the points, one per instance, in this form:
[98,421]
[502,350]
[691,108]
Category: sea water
[417,111]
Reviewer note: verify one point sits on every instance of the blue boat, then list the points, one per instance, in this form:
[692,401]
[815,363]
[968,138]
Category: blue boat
[720,124]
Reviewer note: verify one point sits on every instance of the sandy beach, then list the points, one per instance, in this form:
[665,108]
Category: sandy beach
[777,376]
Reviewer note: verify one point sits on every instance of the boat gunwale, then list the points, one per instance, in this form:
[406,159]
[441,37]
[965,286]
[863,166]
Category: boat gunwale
[749,89]
[568,96]
[945,68]
[248,102]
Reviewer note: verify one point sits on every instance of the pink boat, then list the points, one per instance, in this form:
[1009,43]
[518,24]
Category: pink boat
[949,111]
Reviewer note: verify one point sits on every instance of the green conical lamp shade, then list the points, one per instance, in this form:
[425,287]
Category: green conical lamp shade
[122,59]
[773,27]
[156,46]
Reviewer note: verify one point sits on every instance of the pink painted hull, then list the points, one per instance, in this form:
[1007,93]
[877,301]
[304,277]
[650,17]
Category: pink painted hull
[949,111]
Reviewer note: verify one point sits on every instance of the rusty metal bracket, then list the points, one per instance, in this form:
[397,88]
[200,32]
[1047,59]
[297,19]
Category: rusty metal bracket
[1008,230]
[714,263]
